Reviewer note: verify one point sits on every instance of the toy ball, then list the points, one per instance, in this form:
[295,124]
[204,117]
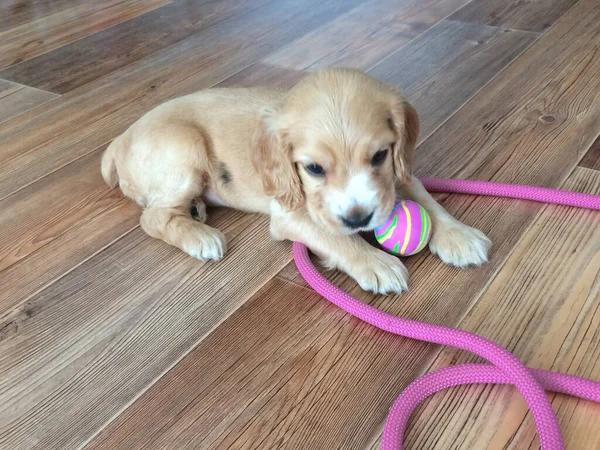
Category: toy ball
[407,231]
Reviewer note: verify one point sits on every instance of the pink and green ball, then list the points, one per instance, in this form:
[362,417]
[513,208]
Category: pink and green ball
[407,231]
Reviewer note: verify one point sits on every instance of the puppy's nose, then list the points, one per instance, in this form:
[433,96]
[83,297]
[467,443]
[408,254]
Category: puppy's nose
[357,220]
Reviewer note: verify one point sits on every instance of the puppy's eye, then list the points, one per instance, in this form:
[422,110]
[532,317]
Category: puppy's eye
[379,157]
[315,169]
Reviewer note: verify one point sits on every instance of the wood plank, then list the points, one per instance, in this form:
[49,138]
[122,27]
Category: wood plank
[107,107]
[544,306]
[535,121]
[48,234]
[364,36]
[335,384]
[16,99]
[527,15]
[319,378]
[88,59]
[18,12]
[454,60]
[46,231]
[23,42]
[274,354]
[261,74]
[79,351]
[591,159]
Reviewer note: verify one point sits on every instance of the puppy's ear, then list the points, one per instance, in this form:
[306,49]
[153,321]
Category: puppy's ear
[405,124]
[272,160]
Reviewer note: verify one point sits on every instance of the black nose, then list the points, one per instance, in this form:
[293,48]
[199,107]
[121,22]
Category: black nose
[357,220]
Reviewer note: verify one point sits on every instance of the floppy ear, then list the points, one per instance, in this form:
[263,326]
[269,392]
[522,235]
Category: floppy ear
[272,160]
[405,124]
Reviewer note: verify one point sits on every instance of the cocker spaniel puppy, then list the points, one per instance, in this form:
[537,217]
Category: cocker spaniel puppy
[326,160]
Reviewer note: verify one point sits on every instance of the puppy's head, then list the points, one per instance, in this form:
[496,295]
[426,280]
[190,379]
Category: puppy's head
[339,143]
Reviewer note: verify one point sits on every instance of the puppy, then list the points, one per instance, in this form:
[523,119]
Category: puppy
[326,160]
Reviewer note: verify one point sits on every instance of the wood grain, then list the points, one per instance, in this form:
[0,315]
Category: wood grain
[41,224]
[261,74]
[544,306]
[452,60]
[83,348]
[333,394]
[18,12]
[107,107]
[365,35]
[534,122]
[591,159]
[49,233]
[48,32]
[16,99]
[527,15]
[104,52]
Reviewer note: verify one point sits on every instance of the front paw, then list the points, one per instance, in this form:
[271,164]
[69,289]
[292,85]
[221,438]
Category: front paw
[460,245]
[380,273]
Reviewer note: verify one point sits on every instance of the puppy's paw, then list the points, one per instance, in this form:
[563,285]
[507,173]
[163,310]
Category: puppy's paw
[381,273]
[206,245]
[460,245]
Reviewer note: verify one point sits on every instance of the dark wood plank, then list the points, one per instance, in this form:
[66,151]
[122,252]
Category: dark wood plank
[90,58]
[453,60]
[61,26]
[107,107]
[591,159]
[364,36]
[527,15]
[16,99]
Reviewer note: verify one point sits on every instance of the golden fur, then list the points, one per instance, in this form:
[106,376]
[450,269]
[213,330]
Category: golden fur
[326,160]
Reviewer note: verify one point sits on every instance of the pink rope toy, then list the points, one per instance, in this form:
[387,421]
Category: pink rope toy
[505,368]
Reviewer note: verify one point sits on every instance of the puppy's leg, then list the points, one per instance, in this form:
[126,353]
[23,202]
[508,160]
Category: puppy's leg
[176,226]
[373,269]
[454,242]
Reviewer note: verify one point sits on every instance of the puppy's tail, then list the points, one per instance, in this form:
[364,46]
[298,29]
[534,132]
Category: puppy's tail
[109,165]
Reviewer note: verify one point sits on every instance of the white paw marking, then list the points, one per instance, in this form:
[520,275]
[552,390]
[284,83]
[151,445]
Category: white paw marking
[382,273]
[460,245]
[206,246]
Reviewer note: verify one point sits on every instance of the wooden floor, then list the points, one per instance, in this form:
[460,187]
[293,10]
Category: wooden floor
[112,340]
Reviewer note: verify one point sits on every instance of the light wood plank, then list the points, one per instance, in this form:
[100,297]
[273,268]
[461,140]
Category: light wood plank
[48,233]
[364,36]
[271,361]
[16,99]
[454,60]
[78,352]
[33,38]
[527,15]
[66,217]
[55,224]
[544,306]
[591,159]
[106,108]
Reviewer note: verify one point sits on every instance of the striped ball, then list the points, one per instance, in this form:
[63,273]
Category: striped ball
[407,231]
